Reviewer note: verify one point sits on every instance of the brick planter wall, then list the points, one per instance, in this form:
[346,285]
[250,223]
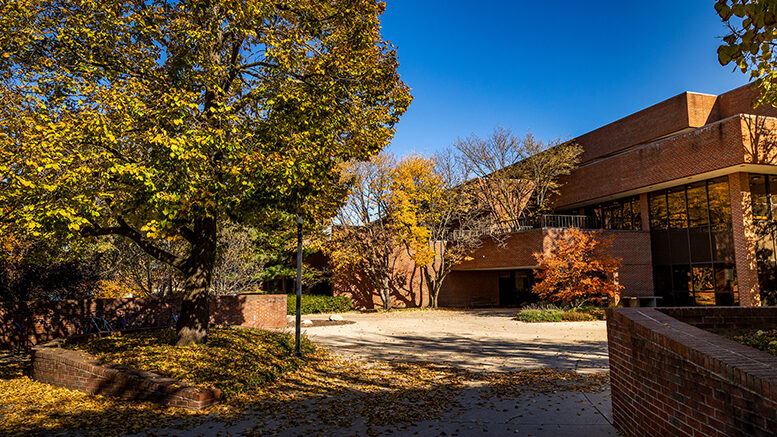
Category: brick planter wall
[265,311]
[80,371]
[670,378]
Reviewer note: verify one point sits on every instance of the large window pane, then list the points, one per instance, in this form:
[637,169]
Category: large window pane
[658,213]
[723,243]
[700,244]
[720,205]
[679,244]
[628,222]
[758,197]
[662,283]
[726,291]
[681,282]
[636,213]
[697,205]
[678,217]
[659,243]
[703,285]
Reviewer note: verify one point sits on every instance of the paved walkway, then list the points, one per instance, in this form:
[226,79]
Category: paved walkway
[478,340]
[529,414]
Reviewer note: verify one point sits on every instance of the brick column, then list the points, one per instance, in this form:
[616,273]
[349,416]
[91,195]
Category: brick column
[644,211]
[744,239]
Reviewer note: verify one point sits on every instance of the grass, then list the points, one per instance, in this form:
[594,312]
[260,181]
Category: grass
[551,313]
[233,360]
[765,340]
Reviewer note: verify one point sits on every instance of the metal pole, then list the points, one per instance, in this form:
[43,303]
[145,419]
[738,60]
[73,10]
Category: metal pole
[297,349]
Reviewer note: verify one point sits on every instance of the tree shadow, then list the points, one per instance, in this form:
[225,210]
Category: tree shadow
[476,353]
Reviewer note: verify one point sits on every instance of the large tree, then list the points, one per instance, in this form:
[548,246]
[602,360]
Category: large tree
[436,215]
[364,247]
[160,119]
[516,177]
[750,43]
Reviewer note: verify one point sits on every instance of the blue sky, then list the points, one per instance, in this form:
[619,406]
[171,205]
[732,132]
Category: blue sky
[557,68]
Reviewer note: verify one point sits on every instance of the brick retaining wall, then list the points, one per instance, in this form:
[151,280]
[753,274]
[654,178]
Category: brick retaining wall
[670,378]
[80,371]
[45,320]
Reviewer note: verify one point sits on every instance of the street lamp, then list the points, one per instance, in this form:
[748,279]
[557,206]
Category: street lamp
[297,349]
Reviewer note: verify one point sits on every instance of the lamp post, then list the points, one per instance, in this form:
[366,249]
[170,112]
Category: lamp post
[297,349]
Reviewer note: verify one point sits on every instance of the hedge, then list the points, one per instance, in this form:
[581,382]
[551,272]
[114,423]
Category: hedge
[313,303]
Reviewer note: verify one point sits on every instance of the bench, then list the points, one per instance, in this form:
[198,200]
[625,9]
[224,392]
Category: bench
[639,301]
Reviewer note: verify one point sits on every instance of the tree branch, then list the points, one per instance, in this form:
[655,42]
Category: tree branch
[126,231]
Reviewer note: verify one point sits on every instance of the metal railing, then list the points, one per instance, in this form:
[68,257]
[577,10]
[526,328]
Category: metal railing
[547,221]
[569,221]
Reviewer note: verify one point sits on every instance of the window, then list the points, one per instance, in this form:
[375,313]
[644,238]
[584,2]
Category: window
[720,205]
[678,216]
[692,244]
[758,196]
[658,213]
[698,213]
[703,285]
[618,214]
[636,214]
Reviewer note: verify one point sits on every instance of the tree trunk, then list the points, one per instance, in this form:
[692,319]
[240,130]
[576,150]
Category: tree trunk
[192,326]
[432,285]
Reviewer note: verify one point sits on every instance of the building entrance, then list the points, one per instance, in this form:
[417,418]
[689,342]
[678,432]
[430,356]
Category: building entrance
[515,287]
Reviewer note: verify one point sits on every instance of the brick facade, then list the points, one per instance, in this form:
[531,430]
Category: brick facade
[77,370]
[45,320]
[688,138]
[670,378]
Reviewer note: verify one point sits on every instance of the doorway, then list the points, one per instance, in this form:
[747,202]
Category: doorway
[515,287]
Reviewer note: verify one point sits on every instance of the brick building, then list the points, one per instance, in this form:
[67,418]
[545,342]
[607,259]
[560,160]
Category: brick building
[685,189]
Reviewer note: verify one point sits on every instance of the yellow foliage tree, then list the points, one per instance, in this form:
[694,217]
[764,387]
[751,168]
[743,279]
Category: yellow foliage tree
[161,120]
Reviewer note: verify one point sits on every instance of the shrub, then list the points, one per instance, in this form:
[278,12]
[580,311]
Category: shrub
[539,315]
[597,313]
[312,304]
[576,316]
[577,269]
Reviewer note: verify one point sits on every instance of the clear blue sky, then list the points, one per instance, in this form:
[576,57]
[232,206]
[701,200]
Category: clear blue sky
[557,68]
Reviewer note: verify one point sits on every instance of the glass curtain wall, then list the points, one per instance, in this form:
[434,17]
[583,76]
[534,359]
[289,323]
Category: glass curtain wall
[692,244]
[763,195]
[621,214]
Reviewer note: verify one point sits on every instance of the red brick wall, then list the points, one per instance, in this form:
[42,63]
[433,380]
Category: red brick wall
[632,247]
[80,371]
[256,311]
[470,288]
[709,148]
[740,101]
[517,250]
[355,285]
[661,119]
[636,272]
[673,379]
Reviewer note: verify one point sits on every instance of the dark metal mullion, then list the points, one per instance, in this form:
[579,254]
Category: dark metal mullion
[668,234]
[709,238]
[688,239]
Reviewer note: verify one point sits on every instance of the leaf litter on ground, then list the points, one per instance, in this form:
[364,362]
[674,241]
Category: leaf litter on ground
[321,389]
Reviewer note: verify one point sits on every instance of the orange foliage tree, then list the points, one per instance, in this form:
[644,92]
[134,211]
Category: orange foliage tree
[578,269]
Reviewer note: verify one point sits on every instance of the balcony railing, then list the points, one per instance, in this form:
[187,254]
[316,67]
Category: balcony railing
[569,221]
[547,221]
